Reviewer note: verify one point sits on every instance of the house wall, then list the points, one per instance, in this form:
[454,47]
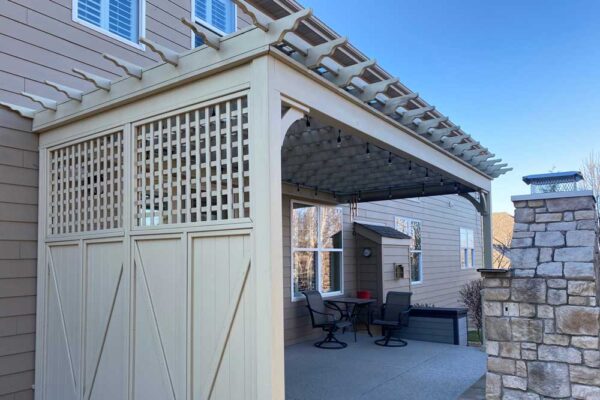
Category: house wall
[18,234]
[39,41]
[441,217]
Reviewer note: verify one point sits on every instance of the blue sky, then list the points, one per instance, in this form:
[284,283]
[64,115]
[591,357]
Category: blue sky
[522,77]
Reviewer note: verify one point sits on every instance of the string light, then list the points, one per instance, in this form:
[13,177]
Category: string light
[339,138]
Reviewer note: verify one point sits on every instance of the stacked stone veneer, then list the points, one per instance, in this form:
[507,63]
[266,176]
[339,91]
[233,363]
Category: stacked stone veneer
[542,318]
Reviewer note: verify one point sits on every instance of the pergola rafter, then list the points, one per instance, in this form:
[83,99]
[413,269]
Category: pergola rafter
[364,79]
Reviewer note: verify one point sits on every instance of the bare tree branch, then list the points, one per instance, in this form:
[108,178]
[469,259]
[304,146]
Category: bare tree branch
[590,169]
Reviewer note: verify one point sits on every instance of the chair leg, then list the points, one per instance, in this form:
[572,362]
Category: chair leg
[389,341]
[330,342]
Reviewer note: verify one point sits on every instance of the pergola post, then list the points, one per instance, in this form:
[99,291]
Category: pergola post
[486,216]
[484,206]
[265,181]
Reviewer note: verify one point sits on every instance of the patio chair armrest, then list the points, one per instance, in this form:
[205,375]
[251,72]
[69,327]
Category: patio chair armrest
[328,315]
[403,317]
[335,307]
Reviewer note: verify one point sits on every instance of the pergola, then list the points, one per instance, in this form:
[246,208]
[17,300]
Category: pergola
[160,229]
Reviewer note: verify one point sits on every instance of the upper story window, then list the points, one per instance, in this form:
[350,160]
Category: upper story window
[467,248]
[317,252]
[412,228]
[119,19]
[217,15]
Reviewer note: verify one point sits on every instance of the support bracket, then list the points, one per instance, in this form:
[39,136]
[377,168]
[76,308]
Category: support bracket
[482,205]
[295,112]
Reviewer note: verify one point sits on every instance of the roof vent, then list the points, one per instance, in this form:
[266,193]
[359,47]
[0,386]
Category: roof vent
[554,182]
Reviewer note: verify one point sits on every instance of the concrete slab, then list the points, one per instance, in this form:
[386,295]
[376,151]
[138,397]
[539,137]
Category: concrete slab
[363,370]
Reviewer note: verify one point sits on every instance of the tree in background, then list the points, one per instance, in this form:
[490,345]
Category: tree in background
[502,231]
[590,169]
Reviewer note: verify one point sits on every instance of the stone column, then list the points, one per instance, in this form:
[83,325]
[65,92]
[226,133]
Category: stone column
[542,317]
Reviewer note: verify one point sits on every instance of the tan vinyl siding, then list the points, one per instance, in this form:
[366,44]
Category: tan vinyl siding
[441,218]
[18,234]
[39,41]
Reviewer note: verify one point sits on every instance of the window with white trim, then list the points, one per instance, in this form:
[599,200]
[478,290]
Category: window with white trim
[412,227]
[117,18]
[217,15]
[467,248]
[317,253]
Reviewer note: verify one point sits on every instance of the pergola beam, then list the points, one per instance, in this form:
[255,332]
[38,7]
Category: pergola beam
[71,93]
[258,18]
[408,116]
[129,68]
[346,74]
[368,92]
[277,29]
[98,81]
[315,54]
[22,111]
[424,125]
[209,38]
[45,102]
[393,103]
[165,54]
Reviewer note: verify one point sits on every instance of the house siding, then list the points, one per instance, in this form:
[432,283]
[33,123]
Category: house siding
[18,246]
[39,41]
[441,218]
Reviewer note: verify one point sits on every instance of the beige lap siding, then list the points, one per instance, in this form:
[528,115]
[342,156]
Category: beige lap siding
[441,218]
[18,234]
[40,41]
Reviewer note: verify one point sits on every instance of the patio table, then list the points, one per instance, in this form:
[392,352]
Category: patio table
[352,309]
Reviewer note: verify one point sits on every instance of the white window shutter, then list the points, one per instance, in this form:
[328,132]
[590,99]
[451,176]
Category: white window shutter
[90,11]
[219,15]
[122,18]
[200,9]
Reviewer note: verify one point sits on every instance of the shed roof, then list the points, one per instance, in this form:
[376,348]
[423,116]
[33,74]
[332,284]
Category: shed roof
[384,231]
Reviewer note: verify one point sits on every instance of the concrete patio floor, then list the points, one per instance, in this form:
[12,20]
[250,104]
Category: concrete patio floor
[421,370]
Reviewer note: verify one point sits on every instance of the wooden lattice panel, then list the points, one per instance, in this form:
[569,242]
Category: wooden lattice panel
[193,166]
[86,185]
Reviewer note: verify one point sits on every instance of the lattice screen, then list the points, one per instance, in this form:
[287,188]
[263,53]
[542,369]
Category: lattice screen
[193,166]
[86,185]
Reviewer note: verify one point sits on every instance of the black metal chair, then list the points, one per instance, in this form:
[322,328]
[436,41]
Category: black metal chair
[325,320]
[394,315]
